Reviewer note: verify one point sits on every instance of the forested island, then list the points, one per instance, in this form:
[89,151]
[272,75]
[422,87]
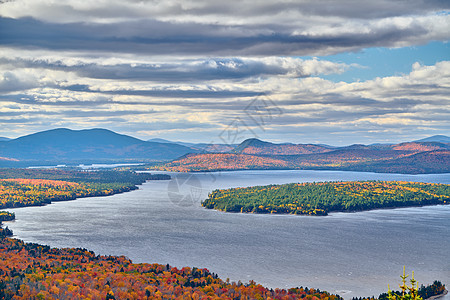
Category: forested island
[31,187]
[320,198]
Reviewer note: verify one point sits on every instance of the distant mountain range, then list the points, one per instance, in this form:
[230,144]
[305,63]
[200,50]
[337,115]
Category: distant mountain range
[199,146]
[429,155]
[409,157]
[99,145]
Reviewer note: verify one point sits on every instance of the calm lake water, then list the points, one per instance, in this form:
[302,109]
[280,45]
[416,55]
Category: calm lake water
[353,254]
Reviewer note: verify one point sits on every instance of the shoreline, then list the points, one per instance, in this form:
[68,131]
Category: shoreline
[109,271]
[327,197]
[127,190]
[440,295]
[444,293]
[70,199]
[291,169]
[329,213]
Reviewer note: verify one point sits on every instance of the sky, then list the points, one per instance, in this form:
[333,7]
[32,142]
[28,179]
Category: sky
[332,72]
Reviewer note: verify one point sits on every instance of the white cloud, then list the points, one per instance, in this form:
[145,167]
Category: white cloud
[199,63]
[406,104]
[16,81]
[71,69]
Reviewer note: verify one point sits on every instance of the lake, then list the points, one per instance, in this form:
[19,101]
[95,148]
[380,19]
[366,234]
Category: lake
[353,254]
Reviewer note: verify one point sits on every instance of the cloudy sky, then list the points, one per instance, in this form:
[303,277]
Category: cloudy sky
[319,71]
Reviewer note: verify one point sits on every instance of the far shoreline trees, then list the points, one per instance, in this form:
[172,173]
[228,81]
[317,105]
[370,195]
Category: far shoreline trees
[35,187]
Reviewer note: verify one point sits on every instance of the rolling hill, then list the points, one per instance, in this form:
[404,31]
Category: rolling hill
[258,147]
[410,157]
[223,161]
[65,145]
[202,147]
[436,138]
[419,163]
[421,146]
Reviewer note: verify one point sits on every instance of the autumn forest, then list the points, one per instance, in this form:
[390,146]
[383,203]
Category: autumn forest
[33,271]
[320,198]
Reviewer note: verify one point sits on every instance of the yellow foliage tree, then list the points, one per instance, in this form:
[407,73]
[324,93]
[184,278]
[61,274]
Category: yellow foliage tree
[408,292]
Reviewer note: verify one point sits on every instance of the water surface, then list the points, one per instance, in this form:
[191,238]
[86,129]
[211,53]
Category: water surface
[354,254]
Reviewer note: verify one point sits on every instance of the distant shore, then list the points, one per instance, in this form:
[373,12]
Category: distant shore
[38,187]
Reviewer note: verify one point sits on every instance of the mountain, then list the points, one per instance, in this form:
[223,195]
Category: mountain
[258,147]
[436,138]
[428,162]
[162,141]
[357,147]
[223,161]
[66,145]
[216,148]
[410,157]
[421,146]
[202,147]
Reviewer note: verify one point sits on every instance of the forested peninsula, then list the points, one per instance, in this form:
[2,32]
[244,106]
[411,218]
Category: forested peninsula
[33,187]
[321,198]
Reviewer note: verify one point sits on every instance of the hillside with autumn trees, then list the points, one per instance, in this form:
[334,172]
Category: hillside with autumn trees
[412,158]
[320,198]
[255,146]
[32,271]
[74,147]
[429,162]
[31,187]
[221,162]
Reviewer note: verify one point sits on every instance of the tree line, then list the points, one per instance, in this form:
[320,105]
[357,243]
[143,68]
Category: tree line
[25,187]
[33,271]
[320,198]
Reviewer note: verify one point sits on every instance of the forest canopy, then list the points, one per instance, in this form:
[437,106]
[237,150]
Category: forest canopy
[30,187]
[33,271]
[320,198]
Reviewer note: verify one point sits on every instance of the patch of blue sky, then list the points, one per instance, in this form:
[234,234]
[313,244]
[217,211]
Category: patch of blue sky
[383,62]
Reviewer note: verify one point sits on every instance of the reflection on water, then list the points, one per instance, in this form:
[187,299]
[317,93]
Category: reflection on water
[163,222]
